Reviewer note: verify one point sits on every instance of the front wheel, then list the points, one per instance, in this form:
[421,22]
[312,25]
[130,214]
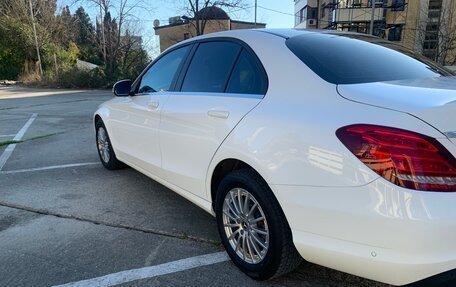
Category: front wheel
[105,151]
[253,228]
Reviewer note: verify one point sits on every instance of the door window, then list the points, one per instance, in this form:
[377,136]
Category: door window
[247,77]
[210,67]
[160,76]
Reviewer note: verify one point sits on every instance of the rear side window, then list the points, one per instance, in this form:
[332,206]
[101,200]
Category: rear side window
[247,77]
[161,74]
[210,67]
[354,59]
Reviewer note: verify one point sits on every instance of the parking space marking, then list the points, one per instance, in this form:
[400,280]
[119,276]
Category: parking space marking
[151,271]
[49,167]
[7,136]
[10,148]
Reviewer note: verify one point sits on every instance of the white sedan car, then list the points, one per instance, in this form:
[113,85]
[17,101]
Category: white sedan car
[334,147]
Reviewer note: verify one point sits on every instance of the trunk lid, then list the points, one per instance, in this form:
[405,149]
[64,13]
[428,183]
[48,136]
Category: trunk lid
[431,99]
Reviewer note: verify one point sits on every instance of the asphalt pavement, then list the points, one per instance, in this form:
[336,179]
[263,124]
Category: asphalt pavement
[65,219]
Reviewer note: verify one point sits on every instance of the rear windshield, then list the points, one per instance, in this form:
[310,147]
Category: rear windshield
[355,59]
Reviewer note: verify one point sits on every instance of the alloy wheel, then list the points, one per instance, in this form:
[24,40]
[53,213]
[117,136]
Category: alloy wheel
[245,225]
[103,144]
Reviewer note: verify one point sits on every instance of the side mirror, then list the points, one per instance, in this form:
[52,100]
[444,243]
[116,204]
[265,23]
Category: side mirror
[122,88]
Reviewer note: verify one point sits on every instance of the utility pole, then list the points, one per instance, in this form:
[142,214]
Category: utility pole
[371,28]
[197,14]
[103,46]
[36,38]
[256,7]
[56,66]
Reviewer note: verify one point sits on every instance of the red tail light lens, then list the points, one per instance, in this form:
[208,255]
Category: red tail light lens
[405,158]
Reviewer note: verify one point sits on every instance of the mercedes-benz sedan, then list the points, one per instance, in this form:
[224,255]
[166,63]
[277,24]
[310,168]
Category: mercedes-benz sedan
[334,147]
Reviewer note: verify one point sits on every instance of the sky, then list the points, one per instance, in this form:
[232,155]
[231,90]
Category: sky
[275,13]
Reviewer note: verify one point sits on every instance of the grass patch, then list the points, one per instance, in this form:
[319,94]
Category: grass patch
[8,142]
[184,235]
[217,243]
[43,136]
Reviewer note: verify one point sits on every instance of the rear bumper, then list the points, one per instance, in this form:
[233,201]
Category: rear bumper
[377,231]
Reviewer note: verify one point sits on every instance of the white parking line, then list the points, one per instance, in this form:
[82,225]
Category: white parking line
[7,136]
[10,148]
[150,272]
[49,167]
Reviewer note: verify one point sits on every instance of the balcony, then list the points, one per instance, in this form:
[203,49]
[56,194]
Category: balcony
[347,15]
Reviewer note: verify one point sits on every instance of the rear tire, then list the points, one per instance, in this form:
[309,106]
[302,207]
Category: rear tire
[105,150]
[243,199]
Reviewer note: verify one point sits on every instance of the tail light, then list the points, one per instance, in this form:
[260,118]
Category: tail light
[405,158]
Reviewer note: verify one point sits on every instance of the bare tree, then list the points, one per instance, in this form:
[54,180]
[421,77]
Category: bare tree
[199,20]
[188,28]
[434,33]
[447,35]
[200,17]
[111,43]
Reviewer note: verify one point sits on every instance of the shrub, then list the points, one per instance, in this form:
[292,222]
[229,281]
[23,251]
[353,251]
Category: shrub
[75,78]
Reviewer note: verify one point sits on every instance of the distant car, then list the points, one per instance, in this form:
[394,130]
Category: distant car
[334,147]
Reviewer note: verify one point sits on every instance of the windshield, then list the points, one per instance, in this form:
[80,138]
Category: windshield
[353,59]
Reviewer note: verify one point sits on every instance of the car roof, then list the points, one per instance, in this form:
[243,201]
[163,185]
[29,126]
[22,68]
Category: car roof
[285,33]
[292,32]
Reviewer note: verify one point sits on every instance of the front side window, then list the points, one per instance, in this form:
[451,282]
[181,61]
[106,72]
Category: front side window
[160,76]
[210,67]
[247,77]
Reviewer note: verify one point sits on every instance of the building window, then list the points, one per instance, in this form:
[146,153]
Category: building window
[435,4]
[395,33]
[312,13]
[378,3]
[398,5]
[356,3]
[300,16]
[431,37]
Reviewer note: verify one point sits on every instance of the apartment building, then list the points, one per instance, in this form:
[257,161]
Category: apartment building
[425,26]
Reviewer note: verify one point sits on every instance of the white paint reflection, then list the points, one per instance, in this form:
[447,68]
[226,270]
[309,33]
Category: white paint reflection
[363,175]
[326,160]
[395,202]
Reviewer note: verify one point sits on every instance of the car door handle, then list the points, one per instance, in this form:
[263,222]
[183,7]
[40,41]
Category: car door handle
[153,105]
[221,114]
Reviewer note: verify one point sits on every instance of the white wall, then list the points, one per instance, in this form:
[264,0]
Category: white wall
[299,4]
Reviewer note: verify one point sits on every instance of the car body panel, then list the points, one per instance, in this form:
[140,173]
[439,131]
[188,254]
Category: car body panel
[136,121]
[378,231]
[431,99]
[193,127]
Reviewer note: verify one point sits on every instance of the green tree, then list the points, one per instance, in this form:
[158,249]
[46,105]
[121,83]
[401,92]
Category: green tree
[111,44]
[15,47]
[17,36]
[85,32]
[68,30]
[85,37]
